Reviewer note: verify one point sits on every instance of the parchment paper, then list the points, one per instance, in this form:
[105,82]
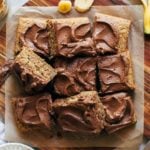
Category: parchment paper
[127,138]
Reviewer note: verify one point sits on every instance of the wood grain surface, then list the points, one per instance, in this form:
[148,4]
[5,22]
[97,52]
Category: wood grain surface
[96,2]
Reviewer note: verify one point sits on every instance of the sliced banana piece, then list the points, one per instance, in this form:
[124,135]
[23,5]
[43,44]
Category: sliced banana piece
[64,6]
[83,5]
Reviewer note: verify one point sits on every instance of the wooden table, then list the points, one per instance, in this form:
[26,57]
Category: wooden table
[97,2]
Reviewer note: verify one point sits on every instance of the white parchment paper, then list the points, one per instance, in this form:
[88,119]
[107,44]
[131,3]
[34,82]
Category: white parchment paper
[12,6]
[127,138]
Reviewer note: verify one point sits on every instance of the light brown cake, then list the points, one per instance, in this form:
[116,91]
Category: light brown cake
[75,75]
[119,110]
[116,73]
[86,59]
[71,37]
[110,33]
[33,33]
[82,113]
[33,71]
[33,112]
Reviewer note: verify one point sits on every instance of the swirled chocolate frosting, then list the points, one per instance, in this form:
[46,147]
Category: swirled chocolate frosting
[36,37]
[65,84]
[113,72]
[105,38]
[81,113]
[74,40]
[34,111]
[75,75]
[119,111]
[5,70]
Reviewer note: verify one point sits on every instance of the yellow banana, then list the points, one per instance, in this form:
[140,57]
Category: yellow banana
[146,16]
[83,5]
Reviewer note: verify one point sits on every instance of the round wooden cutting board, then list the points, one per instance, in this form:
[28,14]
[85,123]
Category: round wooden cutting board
[146,66]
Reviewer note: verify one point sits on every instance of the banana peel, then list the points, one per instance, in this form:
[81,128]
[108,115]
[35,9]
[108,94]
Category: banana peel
[146,5]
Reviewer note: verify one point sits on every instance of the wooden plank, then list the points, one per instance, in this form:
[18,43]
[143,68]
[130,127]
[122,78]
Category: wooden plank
[3,41]
[2,105]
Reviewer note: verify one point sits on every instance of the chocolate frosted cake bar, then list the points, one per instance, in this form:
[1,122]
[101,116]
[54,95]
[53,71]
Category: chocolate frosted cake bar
[33,33]
[87,58]
[115,73]
[110,34]
[33,71]
[119,111]
[33,112]
[82,113]
[71,37]
[75,75]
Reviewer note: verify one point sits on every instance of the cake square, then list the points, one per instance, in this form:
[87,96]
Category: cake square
[119,111]
[82,113]
[110,34]
[75,75]
[33,112]
[115,73]
[71,37]
[33,33]
[33,72]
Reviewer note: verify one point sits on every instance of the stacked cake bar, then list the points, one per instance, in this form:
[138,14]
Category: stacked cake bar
[77,75]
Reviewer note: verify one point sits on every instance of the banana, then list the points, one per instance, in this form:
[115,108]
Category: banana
[146,5]
[83,5]
[64,6]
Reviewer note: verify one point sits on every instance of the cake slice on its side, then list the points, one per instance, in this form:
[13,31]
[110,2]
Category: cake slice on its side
[33,72]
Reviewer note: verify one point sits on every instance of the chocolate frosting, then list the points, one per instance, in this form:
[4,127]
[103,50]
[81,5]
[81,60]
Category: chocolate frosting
[65,84]
[78,119]
[113,73]
[75,76]
[74,40]
[36,38]
[81,117]
[105,38]
[34,110]
[119,111]
[5,70]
